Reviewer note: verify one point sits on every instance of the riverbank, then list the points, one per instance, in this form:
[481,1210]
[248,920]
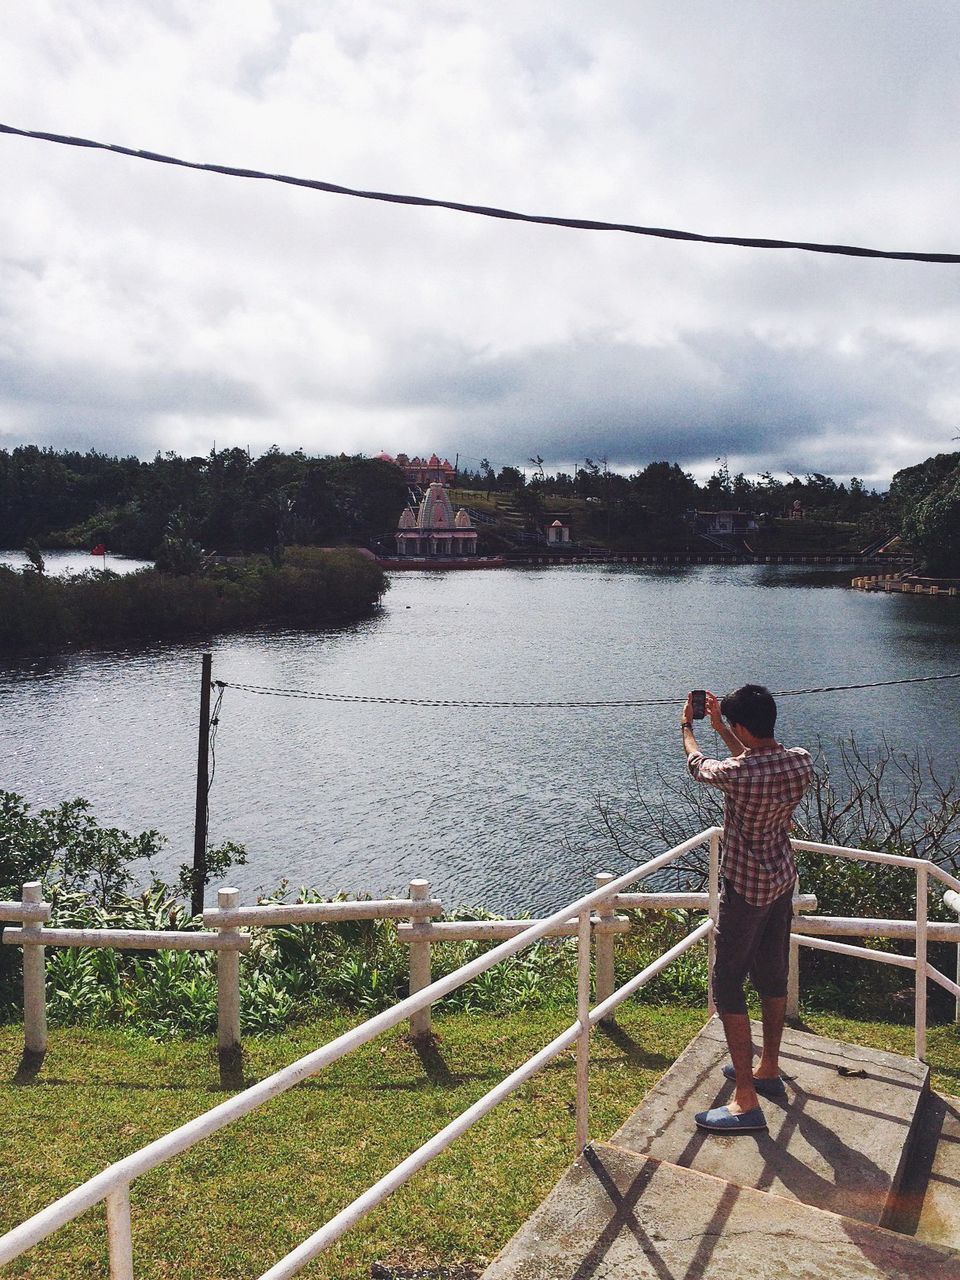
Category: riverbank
[231,1207]
[311,588]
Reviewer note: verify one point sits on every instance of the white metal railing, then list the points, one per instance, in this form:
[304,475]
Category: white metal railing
[113,1183]
[419,930]
[951,900]
[225,939]
[919,929]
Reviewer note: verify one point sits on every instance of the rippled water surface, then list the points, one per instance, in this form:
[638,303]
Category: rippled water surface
[492,806]
[64,563]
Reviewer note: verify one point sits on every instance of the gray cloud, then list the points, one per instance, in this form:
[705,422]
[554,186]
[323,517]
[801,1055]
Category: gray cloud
[166,309]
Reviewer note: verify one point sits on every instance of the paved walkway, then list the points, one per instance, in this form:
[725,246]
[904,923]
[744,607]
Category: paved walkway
[857,1146]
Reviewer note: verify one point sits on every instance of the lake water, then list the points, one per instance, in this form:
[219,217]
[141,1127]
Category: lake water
[494,807]
[64,563]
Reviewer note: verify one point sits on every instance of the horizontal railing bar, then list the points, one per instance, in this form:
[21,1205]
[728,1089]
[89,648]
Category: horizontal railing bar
[328,1234]
[864,953]
[331,1231]
[274,913]
[854,926]
[186,1135]
[486,930]
[131,939]
[941,978]
[870,855]
[689,900]
[26,911]
[607,1006]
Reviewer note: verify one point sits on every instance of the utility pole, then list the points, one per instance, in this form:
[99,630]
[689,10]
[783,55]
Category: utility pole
[203,789]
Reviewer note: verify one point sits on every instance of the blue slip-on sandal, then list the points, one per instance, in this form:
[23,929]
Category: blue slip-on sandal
[767,1088]
[723,1120]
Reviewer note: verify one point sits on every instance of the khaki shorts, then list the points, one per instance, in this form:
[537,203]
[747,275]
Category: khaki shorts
[752,941]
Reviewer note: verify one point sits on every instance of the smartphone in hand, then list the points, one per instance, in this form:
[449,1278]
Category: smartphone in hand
[698,703]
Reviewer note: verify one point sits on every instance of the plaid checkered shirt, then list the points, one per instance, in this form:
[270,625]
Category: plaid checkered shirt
[761,789]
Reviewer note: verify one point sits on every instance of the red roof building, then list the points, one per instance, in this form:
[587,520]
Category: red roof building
[422,471]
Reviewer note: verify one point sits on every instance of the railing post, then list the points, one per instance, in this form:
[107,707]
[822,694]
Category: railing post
[420,1024]
[603,947]
[228,982]
[713,906]
[920,997]
[34,977]
[583,1040]
[119,1234]
[793,970]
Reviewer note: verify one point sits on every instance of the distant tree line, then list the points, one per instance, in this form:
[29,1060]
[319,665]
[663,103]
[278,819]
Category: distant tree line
[922,505]
[657,497]
[176,510]
[227,502]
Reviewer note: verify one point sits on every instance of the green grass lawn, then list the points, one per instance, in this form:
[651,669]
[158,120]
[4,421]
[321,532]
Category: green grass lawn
[234,1204]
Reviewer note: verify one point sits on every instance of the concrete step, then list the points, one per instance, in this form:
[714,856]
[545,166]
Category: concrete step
[837,1142]
[618,1215]
[929,1200]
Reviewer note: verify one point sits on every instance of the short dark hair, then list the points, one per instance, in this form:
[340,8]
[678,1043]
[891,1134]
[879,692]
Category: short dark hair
[751,705]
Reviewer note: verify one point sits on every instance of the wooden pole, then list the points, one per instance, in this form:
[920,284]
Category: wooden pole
[713,906]
[203,790]
[793,967]
[420,977]
[583,1040]
[920,990]
[604,975]
[34,977]
[228,982]
[119,1234]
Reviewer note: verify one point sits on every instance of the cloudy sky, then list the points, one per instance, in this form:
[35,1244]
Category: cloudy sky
[145,308]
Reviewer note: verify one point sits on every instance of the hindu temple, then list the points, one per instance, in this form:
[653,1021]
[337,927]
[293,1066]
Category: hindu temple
[433,529]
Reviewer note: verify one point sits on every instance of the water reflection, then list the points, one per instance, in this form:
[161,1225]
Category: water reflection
[492,806]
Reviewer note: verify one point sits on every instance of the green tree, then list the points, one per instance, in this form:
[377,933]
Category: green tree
[932,527]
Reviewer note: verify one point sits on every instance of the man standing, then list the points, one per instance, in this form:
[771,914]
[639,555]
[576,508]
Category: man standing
[763,782]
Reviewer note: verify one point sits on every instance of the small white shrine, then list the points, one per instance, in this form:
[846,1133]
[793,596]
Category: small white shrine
[433,529]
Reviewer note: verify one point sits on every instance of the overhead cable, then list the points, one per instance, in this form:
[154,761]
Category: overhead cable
[379,700]
[485,211]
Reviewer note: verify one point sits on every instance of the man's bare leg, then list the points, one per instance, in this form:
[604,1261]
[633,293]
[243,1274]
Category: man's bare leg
[774,1013]
[736,1027]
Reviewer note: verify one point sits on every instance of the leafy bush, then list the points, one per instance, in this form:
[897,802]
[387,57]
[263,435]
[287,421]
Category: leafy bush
[310,588]
[83,868]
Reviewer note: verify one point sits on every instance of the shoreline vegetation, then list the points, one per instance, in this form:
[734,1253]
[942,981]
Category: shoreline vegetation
[881,799]
[307,587]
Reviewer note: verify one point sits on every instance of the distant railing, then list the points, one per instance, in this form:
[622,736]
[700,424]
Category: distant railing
[593,913]
[420,930]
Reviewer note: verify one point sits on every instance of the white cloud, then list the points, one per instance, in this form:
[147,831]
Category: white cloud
[147,307]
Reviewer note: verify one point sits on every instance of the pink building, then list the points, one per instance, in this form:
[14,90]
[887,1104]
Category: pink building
[433,529]
[422,471]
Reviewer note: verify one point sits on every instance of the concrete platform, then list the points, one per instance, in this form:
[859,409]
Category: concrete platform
[617,1215]
[835,1142]
[930,1199]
